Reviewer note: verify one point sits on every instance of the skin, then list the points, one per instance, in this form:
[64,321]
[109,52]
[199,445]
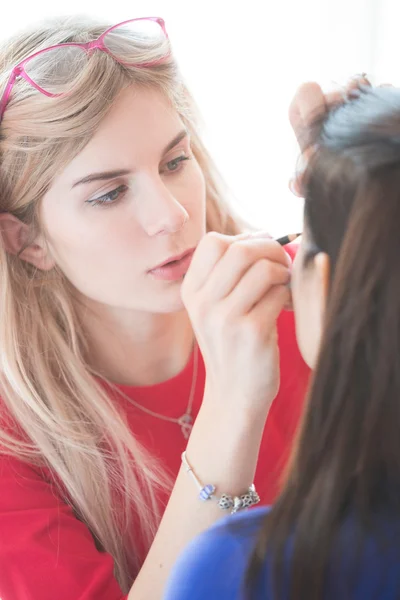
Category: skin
[309,286]
[153,212]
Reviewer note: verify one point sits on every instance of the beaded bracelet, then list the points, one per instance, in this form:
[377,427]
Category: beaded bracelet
[225,502]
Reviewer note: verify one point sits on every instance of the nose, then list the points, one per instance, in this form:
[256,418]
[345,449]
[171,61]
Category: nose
[159,212]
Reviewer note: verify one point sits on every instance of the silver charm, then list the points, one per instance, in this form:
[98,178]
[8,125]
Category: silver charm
[247,500]
[225,502]
[237,505]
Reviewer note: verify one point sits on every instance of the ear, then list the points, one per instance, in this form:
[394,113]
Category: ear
[323,270]
[16,236]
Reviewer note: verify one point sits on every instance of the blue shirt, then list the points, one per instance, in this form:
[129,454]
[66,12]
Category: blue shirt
[215,564]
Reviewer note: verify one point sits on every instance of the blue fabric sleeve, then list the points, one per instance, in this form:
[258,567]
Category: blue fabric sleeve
[214,565]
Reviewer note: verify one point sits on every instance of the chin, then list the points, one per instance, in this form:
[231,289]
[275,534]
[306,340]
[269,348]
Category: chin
[172,307]
[166,302]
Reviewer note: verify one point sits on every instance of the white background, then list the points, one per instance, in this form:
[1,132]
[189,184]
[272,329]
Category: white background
[243,62]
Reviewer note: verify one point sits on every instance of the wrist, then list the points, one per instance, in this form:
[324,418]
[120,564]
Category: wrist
[223,449]
[234,408]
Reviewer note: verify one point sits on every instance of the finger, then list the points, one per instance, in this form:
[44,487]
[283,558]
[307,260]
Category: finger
[209,252]
[334,98]
[254,285]
[357,80]
[352,89]
[296,183]
[238,259]
[307,104]
[265,313]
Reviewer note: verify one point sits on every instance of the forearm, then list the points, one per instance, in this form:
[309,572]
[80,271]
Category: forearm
[223,450]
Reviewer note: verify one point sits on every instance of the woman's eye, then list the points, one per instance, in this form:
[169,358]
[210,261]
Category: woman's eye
[176,164]
[109,197]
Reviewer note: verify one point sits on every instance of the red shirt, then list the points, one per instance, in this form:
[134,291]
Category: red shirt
[46,553]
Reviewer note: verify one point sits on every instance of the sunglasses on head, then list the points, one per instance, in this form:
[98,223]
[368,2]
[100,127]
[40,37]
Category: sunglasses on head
[53,70]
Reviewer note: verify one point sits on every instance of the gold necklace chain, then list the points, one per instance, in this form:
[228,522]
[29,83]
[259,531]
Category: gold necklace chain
[186,420]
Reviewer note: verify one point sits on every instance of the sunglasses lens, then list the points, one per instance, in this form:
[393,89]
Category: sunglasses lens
[56,70]
[138,42]
[142,41]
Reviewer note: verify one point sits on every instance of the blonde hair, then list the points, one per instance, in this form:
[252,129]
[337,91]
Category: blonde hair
[65,418]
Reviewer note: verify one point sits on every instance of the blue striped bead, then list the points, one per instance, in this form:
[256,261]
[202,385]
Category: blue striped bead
[207,492]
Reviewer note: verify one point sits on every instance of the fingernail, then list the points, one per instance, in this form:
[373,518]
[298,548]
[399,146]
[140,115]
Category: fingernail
[353,94]
[362,77]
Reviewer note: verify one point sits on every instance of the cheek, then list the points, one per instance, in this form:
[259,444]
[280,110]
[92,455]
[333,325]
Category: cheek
[192,192]
[66,233]
[305,313]
[90,242]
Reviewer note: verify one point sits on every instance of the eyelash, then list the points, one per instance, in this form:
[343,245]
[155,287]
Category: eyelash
[120,190]
[178,161]
[107,198]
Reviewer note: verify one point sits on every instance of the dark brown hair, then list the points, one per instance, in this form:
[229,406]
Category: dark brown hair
[346,465]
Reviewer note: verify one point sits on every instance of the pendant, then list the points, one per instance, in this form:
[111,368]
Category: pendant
[186,424]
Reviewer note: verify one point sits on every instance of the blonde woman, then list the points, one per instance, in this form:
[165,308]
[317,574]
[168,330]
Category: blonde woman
[106,198]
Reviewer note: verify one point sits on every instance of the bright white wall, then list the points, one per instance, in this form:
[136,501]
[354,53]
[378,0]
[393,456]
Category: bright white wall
[386,59]
[243,61]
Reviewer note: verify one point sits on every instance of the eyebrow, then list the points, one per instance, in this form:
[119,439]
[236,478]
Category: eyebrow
[178,138]
[106,175]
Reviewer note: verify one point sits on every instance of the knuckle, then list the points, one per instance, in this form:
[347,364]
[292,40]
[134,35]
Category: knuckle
[263,270]
[213,240]
[213,244]
[266,268]
[240,252]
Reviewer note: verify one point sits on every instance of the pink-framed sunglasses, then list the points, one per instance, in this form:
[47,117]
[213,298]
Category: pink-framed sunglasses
[50,73]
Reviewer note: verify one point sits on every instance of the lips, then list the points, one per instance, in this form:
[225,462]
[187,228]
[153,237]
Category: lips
[175,268]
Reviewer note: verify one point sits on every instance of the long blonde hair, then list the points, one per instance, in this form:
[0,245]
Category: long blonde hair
[65,417]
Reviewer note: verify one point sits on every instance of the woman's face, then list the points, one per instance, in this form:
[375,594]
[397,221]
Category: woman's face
[310,284]
[131,200]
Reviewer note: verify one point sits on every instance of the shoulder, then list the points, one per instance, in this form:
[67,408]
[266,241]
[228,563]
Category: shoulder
[215,564]
[370,569]
[46,552]
[24,475]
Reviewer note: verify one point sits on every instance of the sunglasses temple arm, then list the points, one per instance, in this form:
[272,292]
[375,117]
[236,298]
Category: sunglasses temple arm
[7,93]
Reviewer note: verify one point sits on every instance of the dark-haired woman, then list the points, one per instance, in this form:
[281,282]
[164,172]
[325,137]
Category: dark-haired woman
[334,532]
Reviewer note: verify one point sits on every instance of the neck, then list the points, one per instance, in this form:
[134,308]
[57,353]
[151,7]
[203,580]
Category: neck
[136,348]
